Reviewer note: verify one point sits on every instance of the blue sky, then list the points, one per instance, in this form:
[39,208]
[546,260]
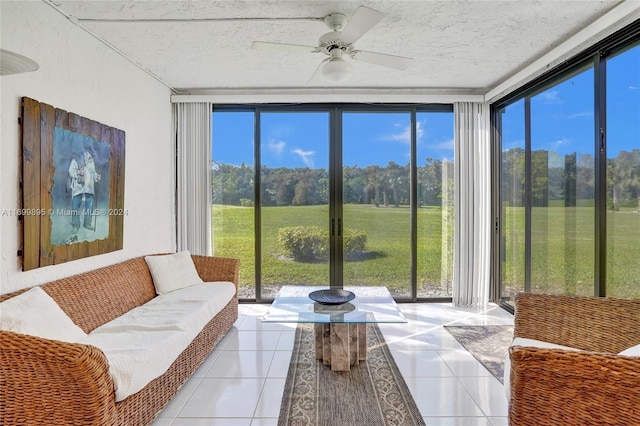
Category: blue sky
[562,121]
[302,139]
[562,117]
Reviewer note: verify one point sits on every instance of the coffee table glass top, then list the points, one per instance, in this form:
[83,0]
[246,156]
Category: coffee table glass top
[371,305]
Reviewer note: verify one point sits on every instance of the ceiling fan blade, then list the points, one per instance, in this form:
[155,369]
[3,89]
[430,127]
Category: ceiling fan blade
[362,21]
[267,45]
[390,61]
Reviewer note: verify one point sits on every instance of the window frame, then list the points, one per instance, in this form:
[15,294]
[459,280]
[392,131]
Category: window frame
[335,112]
[593,57]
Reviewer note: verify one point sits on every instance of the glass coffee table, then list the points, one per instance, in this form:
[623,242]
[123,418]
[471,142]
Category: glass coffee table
[340,330]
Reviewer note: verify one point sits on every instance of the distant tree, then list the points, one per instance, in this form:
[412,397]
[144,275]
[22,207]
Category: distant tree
[513,176]
[307,188]
[623,185]
[430,182]
[585,169]
[373,176]
[540,178]
[394,178]
[354,185]
[230,184]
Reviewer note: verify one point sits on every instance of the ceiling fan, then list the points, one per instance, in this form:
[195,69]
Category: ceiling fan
[338,45]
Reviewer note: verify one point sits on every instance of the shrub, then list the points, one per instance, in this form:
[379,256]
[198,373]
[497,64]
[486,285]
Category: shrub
[311,243]
[305,243]
[354,240]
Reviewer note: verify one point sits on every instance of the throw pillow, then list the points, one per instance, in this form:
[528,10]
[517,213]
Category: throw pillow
[520,341]
[34,312]
[172,271]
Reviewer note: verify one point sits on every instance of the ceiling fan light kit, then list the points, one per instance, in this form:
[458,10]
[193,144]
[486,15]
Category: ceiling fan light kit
[13,63]
[336,69]
[338,45]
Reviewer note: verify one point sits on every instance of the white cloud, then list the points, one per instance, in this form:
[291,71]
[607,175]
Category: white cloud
[404,135]
[558,144]
[634,88]
[581,114]
[419,130]
[276,146]
[517,143]
[445,145]
[551,97]
[305,156]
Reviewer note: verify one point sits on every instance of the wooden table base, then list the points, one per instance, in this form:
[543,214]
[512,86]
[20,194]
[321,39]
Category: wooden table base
[341,345]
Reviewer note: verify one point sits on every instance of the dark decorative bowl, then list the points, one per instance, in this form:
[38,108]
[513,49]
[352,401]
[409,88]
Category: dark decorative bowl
[332,296]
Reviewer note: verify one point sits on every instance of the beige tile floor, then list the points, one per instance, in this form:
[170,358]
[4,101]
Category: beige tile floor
[241,382]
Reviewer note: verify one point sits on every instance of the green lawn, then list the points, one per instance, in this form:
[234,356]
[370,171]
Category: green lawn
[563,249]
[387,261]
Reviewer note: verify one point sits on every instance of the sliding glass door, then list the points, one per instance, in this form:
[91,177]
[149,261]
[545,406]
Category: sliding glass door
[569,179]
[233,193]
[294,200]
[623,174]
[435,208]
[330,195]
[561,182]
[513,196]
[376,200]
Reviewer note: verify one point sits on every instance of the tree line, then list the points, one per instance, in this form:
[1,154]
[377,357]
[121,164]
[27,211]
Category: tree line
[570,178]
[567,178]
[373,184]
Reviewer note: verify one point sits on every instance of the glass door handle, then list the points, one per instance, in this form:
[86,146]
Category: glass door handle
[339,227]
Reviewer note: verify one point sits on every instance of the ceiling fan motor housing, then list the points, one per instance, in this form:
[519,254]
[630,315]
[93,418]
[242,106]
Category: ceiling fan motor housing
[331,41]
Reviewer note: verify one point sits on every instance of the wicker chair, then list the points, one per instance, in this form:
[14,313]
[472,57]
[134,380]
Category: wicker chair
[594,386]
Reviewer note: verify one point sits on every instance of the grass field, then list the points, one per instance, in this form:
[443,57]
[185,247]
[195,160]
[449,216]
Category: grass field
[386,261]
[562,249]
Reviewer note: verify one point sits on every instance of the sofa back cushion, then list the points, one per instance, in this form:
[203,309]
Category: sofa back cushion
[93,298]
[34,312]
[172,271]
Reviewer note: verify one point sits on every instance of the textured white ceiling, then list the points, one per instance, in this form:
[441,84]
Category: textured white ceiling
[455,44]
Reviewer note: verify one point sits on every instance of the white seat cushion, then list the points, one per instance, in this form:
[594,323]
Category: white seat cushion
[632,351]
[142,344]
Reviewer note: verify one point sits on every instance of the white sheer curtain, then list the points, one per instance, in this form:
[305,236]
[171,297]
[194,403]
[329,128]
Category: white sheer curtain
[193,177]
[472,198]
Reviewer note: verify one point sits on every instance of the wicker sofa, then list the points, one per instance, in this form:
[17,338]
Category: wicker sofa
[49,382]
[594,386]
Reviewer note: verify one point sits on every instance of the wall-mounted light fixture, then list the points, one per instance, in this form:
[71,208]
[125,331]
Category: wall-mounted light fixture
[12,63]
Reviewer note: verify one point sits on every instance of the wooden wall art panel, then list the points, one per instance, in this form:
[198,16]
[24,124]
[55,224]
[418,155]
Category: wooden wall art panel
[72,186]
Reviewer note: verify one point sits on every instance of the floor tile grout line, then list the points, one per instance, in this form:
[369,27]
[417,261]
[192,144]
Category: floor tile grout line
[255,409]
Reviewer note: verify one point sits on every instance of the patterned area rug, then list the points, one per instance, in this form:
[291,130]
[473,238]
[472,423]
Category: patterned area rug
[373,393]
[487,343]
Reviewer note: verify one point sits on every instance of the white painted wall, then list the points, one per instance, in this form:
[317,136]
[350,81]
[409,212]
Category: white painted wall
[79,74]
